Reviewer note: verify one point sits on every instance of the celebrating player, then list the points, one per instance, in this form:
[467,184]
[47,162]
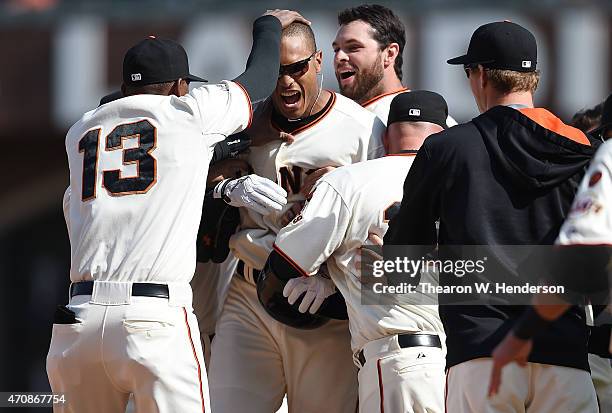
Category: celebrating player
[138,167]
[398,347]
[368,57]
[256,359]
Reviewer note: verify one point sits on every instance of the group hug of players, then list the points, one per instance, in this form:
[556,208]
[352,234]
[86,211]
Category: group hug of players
[300,180]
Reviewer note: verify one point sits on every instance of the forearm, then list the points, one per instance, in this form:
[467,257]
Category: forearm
[259,78]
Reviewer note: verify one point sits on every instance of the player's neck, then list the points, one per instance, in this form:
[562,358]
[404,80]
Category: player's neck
[389,84]
[291,125]
[515,98]
[321,102]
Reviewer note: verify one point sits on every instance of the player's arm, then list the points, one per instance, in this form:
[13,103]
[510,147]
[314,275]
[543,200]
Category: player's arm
[300,250]
[415,222]
[259,78]
[226,108]
[312,237]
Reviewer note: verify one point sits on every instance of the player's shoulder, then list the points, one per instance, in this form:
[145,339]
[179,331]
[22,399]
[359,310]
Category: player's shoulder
[350,109]
[354,175]
[458,137]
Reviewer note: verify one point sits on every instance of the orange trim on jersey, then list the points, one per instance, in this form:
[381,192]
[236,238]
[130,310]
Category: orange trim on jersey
[377,98]
[314,122]
[290,261]
[380,387]
[248,97]
[400,154]
[195,356]
[549,121]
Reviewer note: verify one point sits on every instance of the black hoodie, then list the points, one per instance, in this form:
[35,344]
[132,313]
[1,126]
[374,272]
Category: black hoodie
[508,177]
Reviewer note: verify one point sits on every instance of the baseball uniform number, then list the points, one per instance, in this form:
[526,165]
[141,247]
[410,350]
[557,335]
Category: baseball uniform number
[141,156]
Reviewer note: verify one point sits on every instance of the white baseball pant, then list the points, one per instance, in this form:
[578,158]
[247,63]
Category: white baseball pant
[401,380]
[123,345]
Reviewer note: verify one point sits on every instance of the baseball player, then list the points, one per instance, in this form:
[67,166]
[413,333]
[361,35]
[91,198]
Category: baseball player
[504,178]
[368,57]
[398,347]
[138,167]
[584,254]
[255,359]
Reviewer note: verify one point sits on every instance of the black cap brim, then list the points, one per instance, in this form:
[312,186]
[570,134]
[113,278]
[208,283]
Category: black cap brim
[193,78]
[466,60]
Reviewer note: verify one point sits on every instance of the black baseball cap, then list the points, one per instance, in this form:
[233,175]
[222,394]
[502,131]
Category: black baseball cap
[155,60]
[501,45]
[418,106]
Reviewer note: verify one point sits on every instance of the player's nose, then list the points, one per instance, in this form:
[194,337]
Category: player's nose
[340,56]
[285,81]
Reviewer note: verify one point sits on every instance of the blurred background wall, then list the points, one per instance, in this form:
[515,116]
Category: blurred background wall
[57,58]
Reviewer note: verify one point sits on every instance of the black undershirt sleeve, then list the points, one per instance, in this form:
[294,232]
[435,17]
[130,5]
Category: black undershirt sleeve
[259,78]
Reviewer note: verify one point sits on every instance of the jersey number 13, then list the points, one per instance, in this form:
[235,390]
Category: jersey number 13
[112,181]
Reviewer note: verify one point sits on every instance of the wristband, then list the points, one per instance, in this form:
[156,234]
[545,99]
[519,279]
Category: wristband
[219,191]
[529,324]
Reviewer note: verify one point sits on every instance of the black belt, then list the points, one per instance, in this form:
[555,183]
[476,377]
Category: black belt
[138,289]
[240,270]
[410,340]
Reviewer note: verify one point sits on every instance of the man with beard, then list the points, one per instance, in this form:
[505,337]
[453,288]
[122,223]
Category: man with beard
[256,360]
[368,59]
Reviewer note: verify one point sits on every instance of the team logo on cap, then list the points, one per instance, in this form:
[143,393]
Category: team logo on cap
[414,112]
[526,64]
[136,77]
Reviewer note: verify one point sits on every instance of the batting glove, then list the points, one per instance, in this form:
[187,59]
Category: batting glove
[317,289]
[253,192]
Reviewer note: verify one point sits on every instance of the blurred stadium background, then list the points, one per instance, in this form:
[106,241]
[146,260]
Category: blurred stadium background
[60,56]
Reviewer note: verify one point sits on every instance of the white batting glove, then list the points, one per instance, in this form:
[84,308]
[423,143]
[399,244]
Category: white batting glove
[317,289]
[252,191]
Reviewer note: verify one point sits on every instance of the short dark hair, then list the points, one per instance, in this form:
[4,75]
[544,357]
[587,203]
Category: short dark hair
[587,119]
[299,29]
[387,27]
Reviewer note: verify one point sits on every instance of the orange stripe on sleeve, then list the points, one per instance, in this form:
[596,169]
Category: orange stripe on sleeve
[290,261]
[248,98]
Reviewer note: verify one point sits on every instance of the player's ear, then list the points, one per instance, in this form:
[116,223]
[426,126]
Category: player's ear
[318,60]
[390,54]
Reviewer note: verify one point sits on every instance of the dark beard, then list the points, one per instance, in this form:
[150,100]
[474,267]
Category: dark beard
[366,82]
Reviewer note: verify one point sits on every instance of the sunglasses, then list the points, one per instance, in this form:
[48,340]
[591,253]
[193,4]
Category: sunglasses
[296,69]
[469,67]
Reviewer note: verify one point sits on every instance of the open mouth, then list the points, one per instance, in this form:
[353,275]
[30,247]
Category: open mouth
[346,75]
[291,98]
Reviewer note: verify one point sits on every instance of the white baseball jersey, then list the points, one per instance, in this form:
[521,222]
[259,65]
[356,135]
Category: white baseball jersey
[590,219]
[343,135]
[138,169]
[380,105]
[347,205]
